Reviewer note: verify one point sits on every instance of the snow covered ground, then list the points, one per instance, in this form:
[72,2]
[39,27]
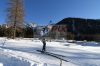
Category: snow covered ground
[22,52]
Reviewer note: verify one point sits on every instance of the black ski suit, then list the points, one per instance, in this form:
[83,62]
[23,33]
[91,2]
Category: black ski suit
[44,45]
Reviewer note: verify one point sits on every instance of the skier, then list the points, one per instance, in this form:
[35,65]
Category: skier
[44,45]
[43,40]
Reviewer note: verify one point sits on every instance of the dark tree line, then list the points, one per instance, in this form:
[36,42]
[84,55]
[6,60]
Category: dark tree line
[2,31]
[26,32]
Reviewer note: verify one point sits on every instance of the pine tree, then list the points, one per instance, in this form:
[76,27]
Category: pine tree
[15,16]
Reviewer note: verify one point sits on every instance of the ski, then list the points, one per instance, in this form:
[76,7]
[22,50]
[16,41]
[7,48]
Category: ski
[56,54]
[53,55]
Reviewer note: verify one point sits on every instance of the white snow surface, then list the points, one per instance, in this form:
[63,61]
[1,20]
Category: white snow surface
[1,64]
[22,52]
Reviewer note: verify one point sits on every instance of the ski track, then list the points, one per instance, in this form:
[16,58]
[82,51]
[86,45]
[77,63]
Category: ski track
[77,55]
[23,56]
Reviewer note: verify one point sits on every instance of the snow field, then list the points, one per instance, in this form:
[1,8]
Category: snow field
[79,54]
[24,56]
[1,64]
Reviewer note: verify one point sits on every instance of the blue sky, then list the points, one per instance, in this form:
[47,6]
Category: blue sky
[42,11]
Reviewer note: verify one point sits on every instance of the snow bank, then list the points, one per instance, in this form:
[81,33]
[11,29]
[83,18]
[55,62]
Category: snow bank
[85,43]
[1,64]
[19,55]
[82,54]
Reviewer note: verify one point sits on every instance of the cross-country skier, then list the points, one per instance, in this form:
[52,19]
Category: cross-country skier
[44,45]
[43,39]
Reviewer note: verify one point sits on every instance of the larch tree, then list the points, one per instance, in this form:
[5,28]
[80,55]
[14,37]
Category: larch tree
[15,17]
